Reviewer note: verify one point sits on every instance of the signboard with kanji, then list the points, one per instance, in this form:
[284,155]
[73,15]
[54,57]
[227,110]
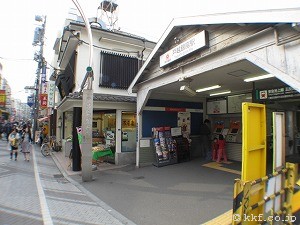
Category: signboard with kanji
[2,98]
[30,100]
[51,90]
[43,101]
[276,93]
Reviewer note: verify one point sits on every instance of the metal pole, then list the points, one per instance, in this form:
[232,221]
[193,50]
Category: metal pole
[38,74]
[87,107]
[36,105]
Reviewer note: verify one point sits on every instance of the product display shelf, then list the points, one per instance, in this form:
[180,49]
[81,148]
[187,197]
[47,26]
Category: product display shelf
[165,148]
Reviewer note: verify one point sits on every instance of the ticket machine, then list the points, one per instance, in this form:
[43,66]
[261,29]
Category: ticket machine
[218,129]
[234,133]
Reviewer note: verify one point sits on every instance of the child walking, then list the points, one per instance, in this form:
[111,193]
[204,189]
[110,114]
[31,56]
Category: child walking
[221,149]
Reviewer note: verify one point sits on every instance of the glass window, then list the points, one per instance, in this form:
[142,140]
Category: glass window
[128,132]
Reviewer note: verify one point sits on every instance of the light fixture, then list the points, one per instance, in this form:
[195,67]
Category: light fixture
[259,77]
[220,93]
[187,90]
[208,88]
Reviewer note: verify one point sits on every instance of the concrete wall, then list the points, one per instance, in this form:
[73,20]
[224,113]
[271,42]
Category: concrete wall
[108,45]
[125,158]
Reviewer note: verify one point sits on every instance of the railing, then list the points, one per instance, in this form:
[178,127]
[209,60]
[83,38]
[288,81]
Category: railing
[244,213]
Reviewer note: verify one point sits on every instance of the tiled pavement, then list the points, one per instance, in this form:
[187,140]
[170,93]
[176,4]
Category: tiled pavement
[36,192]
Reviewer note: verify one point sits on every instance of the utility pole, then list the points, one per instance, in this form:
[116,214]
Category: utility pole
[87,105]
[38,40]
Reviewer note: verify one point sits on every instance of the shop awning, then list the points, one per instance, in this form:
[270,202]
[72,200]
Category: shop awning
[43,119]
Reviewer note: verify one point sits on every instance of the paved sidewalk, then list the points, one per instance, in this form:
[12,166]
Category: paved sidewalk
[184,193]
[37,192]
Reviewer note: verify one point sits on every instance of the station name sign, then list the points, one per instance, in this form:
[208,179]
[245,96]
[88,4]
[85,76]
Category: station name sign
[197,42]
[276,93]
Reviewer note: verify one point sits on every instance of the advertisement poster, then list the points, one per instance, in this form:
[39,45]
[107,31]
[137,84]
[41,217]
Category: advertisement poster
[216,106]
[184,121]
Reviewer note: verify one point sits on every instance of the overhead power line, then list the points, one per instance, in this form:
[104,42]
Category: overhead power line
[14,59]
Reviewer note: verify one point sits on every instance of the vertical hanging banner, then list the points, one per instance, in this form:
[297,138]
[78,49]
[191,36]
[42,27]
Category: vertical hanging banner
[51,90]
[43,101]
[30,100]
[43,75]
[2,98]
[44,88]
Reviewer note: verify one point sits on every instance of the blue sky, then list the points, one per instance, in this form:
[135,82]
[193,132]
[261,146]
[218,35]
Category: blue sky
[142,17]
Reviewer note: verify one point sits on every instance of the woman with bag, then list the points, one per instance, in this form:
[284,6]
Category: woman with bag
[13,139]
[26,143]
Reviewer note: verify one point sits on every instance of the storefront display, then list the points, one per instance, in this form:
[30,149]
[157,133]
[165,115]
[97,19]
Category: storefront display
[110,139]
[99,152]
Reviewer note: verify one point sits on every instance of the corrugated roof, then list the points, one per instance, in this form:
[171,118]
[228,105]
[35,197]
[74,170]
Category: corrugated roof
[288,15]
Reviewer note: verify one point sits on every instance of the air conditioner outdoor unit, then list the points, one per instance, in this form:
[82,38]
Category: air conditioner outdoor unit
[188,91]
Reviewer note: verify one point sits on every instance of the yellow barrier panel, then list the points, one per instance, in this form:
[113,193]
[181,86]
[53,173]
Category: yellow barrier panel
[254,149]
[296,196]
[296,202]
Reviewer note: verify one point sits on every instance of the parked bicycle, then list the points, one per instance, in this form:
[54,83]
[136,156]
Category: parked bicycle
[50,145]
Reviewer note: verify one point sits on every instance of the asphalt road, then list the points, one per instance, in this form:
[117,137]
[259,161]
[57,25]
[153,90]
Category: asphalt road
[180,194]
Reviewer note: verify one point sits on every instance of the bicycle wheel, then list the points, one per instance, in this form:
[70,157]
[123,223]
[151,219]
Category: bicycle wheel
[45,149]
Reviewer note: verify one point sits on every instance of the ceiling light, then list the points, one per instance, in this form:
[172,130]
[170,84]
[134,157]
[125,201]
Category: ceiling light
[208,88]
[259,77]
[187,90]
[220,93]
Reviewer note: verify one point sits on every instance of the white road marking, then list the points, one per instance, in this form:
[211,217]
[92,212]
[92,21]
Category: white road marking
[43,202]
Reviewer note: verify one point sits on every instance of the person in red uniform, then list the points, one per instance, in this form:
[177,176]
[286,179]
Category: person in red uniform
[221,149]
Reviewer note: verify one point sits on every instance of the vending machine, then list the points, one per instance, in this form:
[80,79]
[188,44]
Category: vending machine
[234,133]
[218,129]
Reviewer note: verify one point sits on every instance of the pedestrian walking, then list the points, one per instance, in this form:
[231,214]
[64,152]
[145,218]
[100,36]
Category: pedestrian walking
[26,143]
[221,149]
[205,134]
[13,139]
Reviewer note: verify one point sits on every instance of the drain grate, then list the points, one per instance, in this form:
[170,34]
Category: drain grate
[58,176]
[138,178]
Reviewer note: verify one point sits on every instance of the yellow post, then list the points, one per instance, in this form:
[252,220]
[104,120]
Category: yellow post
[296,196]
[254,150]
[291,180]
